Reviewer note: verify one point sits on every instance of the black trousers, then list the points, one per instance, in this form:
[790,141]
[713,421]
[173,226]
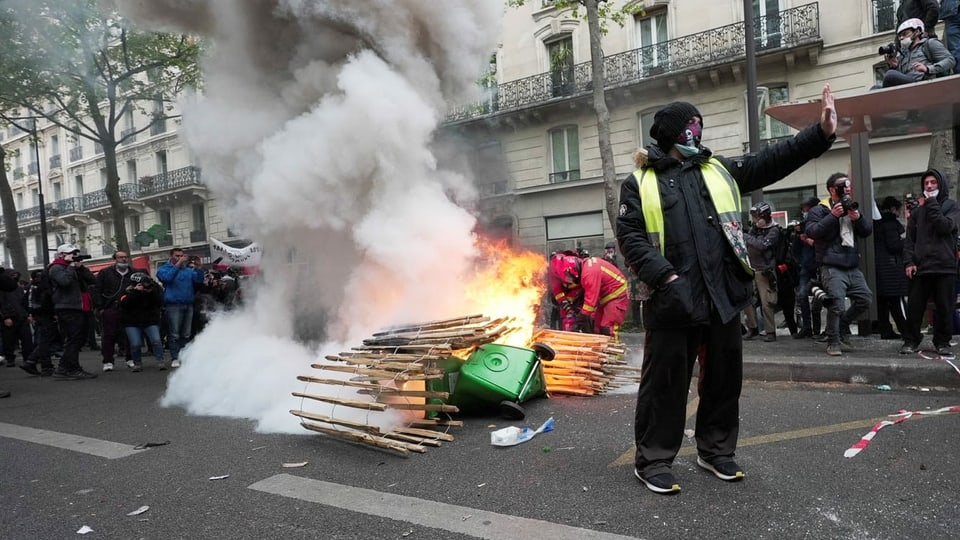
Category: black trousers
[44,333]
[73,329]
[18,333]
[890,306]
[936,287]
[668,360]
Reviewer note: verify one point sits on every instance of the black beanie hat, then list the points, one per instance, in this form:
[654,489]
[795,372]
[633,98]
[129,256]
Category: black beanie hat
[670,121]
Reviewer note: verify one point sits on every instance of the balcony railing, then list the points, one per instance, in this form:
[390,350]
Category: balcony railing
[98,199]
[786,28]
[55,162]
[884,15]
[177,178]
[199,235]
[33,213]
[76,153]
[166,241]
[158,127]
[564,176]
[71,205]
[128,132]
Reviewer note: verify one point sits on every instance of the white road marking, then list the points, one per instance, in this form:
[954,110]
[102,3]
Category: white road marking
[437,515]
[67,441]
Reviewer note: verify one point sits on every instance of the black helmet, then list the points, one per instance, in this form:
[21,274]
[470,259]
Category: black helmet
[140,277]
[761,209]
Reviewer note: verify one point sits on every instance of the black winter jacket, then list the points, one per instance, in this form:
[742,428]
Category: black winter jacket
[141,307]
[888,246]
[11,304]
[695,248]
[761,247]
[931,242]
[110,286]
[824,228]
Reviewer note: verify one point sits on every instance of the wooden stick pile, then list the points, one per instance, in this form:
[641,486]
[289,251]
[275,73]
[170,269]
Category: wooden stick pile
[392,371]
[585,364]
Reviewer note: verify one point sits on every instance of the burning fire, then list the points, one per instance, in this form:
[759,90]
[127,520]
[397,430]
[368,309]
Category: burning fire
[508,283]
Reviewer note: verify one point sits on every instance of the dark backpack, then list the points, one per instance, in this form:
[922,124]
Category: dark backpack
[788,268]
[41,294]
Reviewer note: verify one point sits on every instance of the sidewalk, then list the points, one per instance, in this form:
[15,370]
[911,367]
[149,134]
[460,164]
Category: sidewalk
[872,361]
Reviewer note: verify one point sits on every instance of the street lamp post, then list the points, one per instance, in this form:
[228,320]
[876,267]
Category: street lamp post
[44,247]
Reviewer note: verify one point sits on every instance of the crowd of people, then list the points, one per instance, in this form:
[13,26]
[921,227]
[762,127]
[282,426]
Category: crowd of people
[62,308]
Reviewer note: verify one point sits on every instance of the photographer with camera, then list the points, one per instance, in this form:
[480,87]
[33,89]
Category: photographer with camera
[179,276]
[916,58]
[71,282]
[835,226]
[762,242]
[930,263]
[140,306]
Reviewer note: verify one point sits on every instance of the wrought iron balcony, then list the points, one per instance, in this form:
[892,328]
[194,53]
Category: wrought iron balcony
[55,162]
[788,28]
[199,235]
[76,153]
[71,205]
[128,132]
[179,186]
[564,176]
[32,214]
[158,127]
[98,199]
[166,241]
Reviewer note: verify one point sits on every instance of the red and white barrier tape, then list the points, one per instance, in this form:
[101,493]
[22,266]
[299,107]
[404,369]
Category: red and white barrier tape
[900,417]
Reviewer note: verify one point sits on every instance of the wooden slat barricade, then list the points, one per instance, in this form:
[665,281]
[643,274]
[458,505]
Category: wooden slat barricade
[584,364]
[370,387]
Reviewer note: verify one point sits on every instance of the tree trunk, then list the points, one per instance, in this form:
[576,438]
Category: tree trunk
[603,115]
[943,157]
[117,211]
[13,240]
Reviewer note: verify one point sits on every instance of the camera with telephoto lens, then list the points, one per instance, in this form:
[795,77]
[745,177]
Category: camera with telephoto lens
[890,49]
[848,204]
[82,257]
[819,294]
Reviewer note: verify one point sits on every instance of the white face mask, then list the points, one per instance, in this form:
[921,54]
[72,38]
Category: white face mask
[905,43]
[122,265]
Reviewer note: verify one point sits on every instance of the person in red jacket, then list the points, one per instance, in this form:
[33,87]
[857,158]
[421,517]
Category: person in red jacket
[604,291]
[568,298]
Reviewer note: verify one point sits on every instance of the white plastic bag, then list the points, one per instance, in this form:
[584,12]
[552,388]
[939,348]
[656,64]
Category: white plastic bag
[510,436]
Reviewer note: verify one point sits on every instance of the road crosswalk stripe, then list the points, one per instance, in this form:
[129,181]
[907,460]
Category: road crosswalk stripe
[437,515]
[67,441]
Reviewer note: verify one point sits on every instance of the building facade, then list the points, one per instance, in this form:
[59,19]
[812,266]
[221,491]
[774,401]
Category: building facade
[534,134]
[160,184]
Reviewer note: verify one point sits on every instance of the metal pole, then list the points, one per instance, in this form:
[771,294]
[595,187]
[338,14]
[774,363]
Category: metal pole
[753,118]
[44,247]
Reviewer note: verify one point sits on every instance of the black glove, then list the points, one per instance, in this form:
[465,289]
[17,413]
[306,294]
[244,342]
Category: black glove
[584,323]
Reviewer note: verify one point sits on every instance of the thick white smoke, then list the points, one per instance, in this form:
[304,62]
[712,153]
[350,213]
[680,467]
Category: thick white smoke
[314,129]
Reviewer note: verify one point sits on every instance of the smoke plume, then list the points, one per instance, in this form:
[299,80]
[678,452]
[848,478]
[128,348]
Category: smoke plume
[313,130]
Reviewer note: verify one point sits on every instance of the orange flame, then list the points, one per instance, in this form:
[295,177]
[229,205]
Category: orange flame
[508,283]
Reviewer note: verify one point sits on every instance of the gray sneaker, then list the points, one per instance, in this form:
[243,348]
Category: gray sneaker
[833,349]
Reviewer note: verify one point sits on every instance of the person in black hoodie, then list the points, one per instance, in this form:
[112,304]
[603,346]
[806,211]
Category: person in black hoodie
[930,262]
[7,284]
[140,316]
[891,283]
[14,328]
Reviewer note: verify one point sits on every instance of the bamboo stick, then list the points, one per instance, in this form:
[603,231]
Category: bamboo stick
[437,407]
[412,439]
[336,421]
[356,436]
[443,323]
[369,405]
[376,388]
[430,422]
[425,433]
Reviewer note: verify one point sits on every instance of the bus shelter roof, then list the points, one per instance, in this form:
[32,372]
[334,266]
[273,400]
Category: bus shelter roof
[920,107]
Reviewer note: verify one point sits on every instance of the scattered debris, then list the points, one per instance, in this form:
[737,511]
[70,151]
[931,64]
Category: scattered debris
[85,530]
[585,488]
[408,533]
[510,436]
[466,517]
[481,485]
[547,449]
[139,511]
[146,445]
[294,465]
[219,477]
[884,388]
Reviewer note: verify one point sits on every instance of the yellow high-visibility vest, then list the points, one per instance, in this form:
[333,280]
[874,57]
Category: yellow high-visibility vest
[724,192]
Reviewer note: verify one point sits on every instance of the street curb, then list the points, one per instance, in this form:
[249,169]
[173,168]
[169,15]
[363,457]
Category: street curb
[871,362]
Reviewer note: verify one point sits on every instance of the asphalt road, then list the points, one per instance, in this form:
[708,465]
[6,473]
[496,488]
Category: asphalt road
[574,482]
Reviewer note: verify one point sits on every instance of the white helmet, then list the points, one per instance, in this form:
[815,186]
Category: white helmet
[910,24]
